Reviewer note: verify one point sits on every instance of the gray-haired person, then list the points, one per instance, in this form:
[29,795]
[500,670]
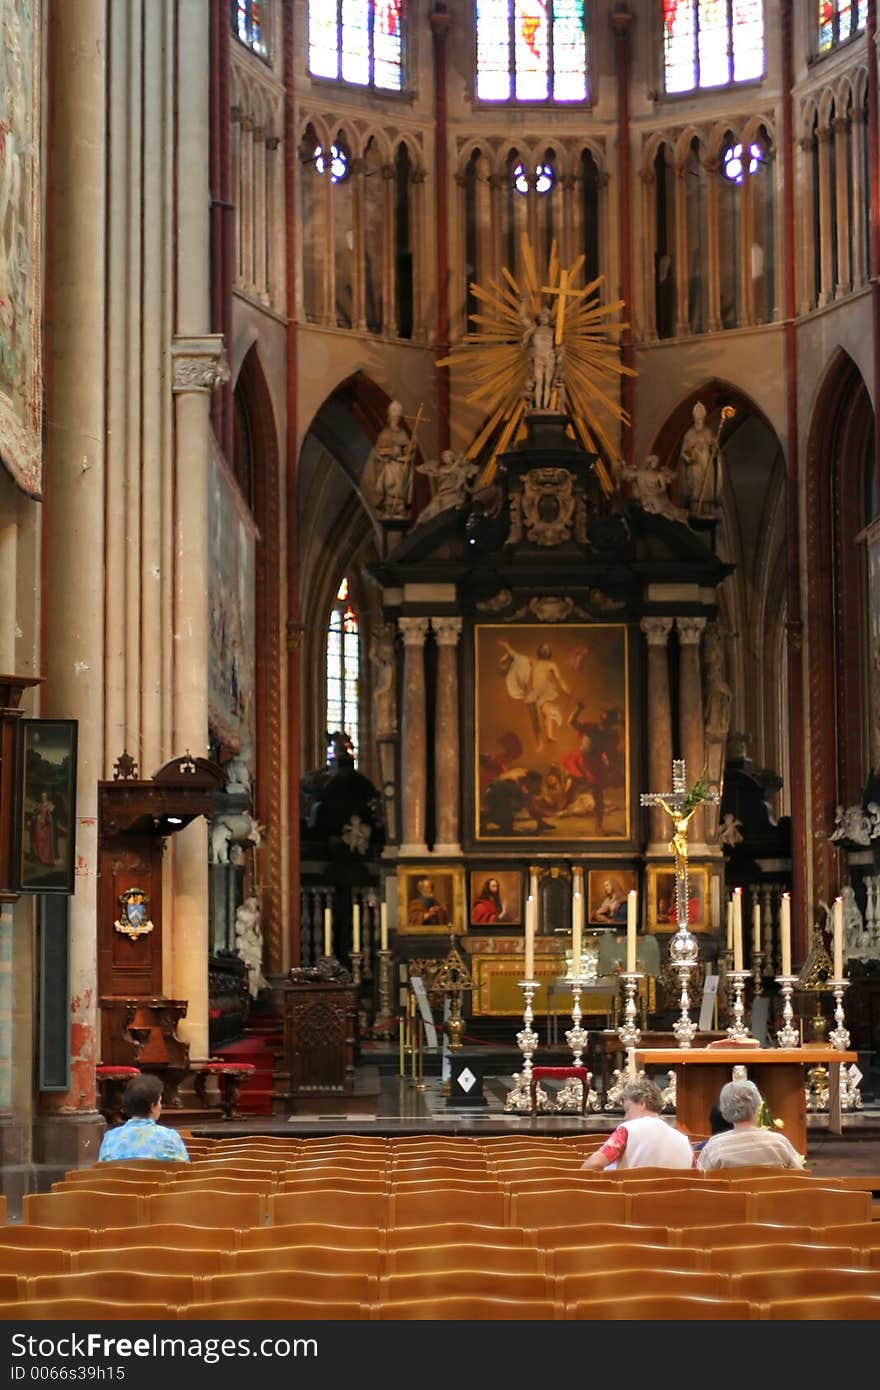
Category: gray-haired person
[643,1140]
[746,1144]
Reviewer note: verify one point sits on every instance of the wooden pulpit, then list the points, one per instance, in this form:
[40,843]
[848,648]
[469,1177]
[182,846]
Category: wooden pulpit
[320,1010]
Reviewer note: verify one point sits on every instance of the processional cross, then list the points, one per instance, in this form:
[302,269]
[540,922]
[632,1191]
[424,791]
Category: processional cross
[680,805]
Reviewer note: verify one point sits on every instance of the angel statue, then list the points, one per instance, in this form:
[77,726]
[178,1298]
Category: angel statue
[453,476]
[249,944]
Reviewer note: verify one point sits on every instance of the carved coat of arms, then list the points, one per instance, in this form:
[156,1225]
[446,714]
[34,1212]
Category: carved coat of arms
[133,920]
[548,505]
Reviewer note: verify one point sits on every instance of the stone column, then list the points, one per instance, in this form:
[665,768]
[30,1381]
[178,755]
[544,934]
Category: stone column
[826,231]
[713,169]
[807,230]
[198,366]
[859,135]
[447,767]
[842,231]
[413,781]
[691,724]
[8,609]
[659,731]
[69,1129]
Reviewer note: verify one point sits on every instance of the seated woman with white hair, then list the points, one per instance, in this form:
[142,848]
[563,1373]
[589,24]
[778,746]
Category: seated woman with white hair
[746,1143]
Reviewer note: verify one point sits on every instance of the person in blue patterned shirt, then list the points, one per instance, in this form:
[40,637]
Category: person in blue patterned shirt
[141,1136]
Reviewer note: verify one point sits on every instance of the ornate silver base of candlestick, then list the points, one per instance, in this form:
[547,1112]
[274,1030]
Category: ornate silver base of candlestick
[850,1094]
[757,966]
[357,961]
[787,1035]
[629,1032]
[670,1092]
[384,1026]
[519,1097]
[614,1098]
[738,979]
[570,1095]
[684,953]
[839,1036]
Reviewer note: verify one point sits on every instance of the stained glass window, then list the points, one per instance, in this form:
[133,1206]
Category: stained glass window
[249,24]
[839,20]
[343,668]
[531,50]
[357,41]
[712,43]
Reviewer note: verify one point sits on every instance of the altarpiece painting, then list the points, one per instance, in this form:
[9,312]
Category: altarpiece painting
[552,732]
[21,257]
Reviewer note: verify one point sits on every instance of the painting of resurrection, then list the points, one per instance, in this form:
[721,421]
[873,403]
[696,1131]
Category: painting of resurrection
[21,259]
[552,732]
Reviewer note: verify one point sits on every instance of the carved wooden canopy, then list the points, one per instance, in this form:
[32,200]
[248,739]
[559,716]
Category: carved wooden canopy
[180,790]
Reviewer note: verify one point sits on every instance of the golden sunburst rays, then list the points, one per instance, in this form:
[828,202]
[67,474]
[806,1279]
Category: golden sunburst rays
[495,360]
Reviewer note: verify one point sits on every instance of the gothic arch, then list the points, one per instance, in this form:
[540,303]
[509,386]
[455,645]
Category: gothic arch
[252,392]
[839,450]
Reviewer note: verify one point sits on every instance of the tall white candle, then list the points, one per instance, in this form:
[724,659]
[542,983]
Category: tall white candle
[785,932]
[577,926]
[531,912]
[632,902]
[838,938]
[328,932]
[730,925]
[356,928]
[756,929]
[737,929]
[383,927]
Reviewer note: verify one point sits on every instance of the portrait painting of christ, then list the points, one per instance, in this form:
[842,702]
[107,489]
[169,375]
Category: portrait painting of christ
[552,732]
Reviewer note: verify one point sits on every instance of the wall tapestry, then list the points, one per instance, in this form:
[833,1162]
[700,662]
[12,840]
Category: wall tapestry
[233,620]
[21,261]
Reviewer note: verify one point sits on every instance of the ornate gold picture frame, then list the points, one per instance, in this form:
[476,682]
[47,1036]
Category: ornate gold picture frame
[430,899]
[661,898]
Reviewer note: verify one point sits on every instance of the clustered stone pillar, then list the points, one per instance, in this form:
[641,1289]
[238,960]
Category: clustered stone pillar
[447,632]
[691,729]
[414,737]
[657,631]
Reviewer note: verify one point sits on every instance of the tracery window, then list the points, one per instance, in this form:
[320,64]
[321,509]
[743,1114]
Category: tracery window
[250,26]
[531,50]
[839,20]
[343,668]
[357,41]
[711,43]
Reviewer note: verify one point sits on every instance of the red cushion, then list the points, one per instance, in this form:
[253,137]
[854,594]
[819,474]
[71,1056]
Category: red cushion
[102,1071]
[558,1073]
[228,1068]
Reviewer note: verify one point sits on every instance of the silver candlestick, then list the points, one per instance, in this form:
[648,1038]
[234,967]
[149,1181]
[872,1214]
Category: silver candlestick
[684,953]
[629,1032]
[839,1036]
[519,1097]
[787,1035]
[384,1024]
[357,962]
[576,1037]
[757,964]
[738,1029]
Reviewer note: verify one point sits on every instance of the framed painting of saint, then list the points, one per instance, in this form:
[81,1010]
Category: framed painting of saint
[661,898]
[430,900]
[46,805]
[607,891]
[552,732]
[495,897]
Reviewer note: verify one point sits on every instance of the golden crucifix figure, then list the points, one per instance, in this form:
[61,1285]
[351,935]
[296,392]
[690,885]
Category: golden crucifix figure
[678,845]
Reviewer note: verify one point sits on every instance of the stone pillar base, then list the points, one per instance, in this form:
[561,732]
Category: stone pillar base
[413,851]
[68,1141]
[447,851]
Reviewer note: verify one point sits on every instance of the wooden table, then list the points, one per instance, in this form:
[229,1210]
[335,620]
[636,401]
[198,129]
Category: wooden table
[777,1072]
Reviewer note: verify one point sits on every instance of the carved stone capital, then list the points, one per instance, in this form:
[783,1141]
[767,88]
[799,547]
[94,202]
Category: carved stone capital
[840,125]
[417,176]
[690,630]
[199,364]
[413,631]
[823,134]
[272,142]
[656,630]
[388,172]
[447,631]
[806,144]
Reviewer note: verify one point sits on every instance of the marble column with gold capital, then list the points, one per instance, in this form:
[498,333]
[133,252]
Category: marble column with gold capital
[691,722]
[659,731]
[447,768]
[413,752]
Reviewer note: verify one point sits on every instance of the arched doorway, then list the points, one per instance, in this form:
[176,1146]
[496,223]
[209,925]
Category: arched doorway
[840,501]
